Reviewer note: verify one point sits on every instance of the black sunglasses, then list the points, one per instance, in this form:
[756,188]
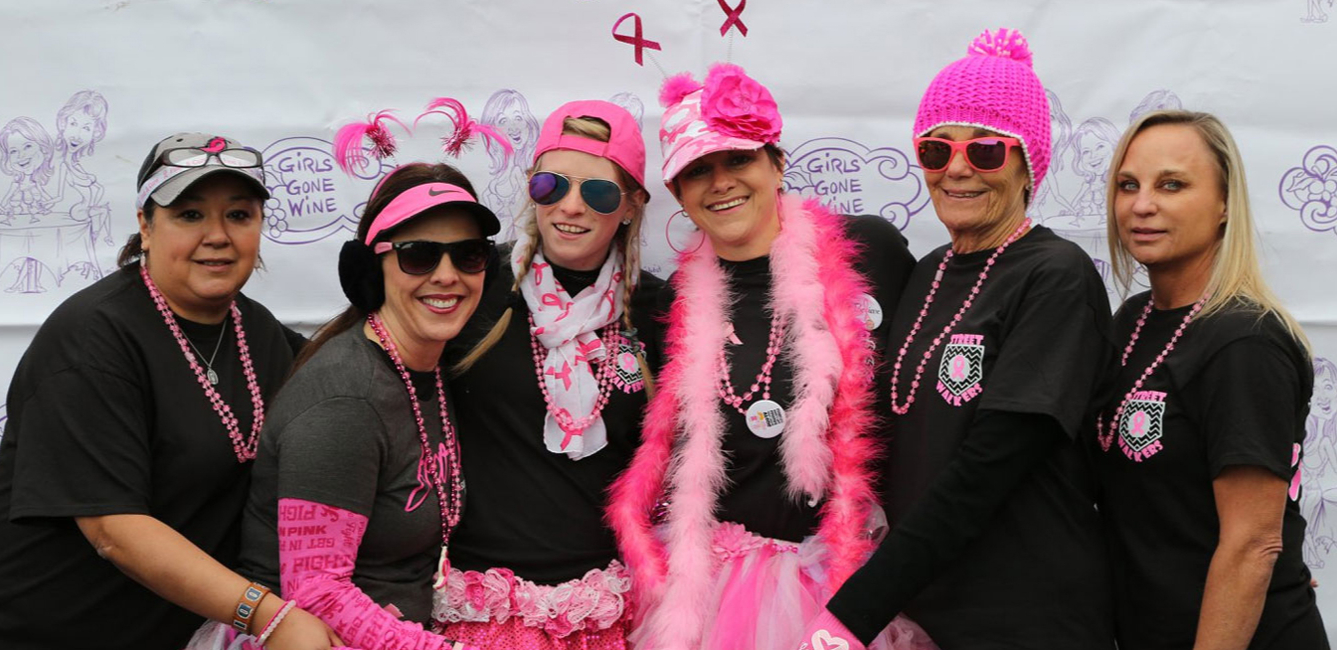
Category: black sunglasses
[420,257]
[602,195]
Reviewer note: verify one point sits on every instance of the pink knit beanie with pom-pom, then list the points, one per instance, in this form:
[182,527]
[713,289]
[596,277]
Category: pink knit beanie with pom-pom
[993,87]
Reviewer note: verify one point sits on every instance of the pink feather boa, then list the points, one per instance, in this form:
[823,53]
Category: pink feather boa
[826,449]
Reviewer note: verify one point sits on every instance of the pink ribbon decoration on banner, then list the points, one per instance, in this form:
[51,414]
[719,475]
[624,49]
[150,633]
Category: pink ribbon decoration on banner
[636,40]
[733,16]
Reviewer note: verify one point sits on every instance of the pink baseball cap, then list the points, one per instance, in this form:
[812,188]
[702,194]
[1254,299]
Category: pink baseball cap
[419,198]
[730,111]
[625,146]
[993,87]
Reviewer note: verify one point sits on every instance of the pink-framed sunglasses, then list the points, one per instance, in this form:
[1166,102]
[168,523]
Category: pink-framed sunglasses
[987,154]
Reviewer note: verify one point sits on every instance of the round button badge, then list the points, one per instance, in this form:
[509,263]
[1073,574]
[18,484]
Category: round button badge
[870,311]
[765,419]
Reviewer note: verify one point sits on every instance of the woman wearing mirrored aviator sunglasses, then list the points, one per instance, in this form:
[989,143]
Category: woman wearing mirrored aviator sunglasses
[551,398]
[761,434]
[999,346]
[357,484]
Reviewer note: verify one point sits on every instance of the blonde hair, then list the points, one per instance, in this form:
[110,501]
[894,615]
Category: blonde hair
[1236,276]
[627,240]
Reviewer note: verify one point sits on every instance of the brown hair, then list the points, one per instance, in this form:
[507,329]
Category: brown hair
[628,242]
[397,182]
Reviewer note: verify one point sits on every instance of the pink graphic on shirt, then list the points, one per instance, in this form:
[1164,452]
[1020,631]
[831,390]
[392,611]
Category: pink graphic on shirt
[626,369]
[1296,477]
[1142,425]
[425,487]
[961,369]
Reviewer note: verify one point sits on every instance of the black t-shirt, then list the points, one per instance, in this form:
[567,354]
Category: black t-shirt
[342,433]
[1234,391]
[106,417]
[755,495]
[1036,340]
[538,513]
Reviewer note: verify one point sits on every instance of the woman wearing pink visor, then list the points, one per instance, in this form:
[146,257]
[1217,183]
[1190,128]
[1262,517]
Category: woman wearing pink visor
[551,387]
[762,432]
[357,484]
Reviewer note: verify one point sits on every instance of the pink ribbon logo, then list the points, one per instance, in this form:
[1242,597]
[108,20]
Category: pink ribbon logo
[732,17]
[564,415]
[635,40]
[538,267]
[1139,424]
[564,375]
[958,368]
[216,145]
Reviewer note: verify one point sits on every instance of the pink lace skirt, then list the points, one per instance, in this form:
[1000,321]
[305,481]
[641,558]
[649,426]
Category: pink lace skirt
[495,609]
[767,591]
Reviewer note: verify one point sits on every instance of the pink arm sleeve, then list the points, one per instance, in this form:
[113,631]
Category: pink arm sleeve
[317,551]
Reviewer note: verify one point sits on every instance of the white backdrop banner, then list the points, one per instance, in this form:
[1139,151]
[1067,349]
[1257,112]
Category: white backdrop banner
[87,86]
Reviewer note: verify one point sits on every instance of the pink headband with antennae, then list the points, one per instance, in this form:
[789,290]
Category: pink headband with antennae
[419,198]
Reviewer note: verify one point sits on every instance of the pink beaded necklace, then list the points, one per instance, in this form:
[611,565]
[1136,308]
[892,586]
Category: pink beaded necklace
[965,306]
[450,508]
[570,425]
[1106,439]
[763,380]
[244,448]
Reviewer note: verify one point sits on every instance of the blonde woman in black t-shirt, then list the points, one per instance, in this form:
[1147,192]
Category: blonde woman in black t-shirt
[1200,446]
[133,420]
[551,384]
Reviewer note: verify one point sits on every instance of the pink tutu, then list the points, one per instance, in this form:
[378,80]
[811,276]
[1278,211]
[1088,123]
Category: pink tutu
[767,591]
[497,609]
[221,636]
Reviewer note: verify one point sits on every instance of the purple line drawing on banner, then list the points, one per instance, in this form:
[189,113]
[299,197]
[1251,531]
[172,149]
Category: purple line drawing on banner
[1314,11]
[1318,473]
[80,124]
[26,155]
[53,214]
[852,178]
[508,112]
[1311,189]
[1071,200]
[309,196]
[1155,100]
[633,104]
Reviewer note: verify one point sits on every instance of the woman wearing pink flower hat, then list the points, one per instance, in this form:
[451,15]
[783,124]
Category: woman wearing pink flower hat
[551,394]
[761,433]
[999,345]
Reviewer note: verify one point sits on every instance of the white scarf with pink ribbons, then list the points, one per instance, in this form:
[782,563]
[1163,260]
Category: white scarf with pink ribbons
[567,328]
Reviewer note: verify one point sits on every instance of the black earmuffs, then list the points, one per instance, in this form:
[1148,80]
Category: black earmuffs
[360,276]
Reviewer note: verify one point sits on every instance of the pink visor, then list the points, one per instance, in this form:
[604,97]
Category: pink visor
[625,146]
[419,198]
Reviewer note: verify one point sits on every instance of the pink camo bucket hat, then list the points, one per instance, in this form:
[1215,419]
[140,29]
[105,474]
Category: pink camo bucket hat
[730,111]
[994,87]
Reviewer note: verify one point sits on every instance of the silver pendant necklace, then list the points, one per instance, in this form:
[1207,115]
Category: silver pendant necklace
[209,365]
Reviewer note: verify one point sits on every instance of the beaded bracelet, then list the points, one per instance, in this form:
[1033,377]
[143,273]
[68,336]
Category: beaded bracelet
[250,600]
[274,622]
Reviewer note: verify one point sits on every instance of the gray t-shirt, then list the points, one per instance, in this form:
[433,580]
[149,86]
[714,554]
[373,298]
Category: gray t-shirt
[342,433]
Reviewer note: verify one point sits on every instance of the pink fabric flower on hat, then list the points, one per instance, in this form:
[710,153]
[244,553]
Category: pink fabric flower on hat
[736,105]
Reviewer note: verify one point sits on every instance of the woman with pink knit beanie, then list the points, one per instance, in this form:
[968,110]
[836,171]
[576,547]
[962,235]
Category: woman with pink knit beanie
[996,351]
[757,448]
